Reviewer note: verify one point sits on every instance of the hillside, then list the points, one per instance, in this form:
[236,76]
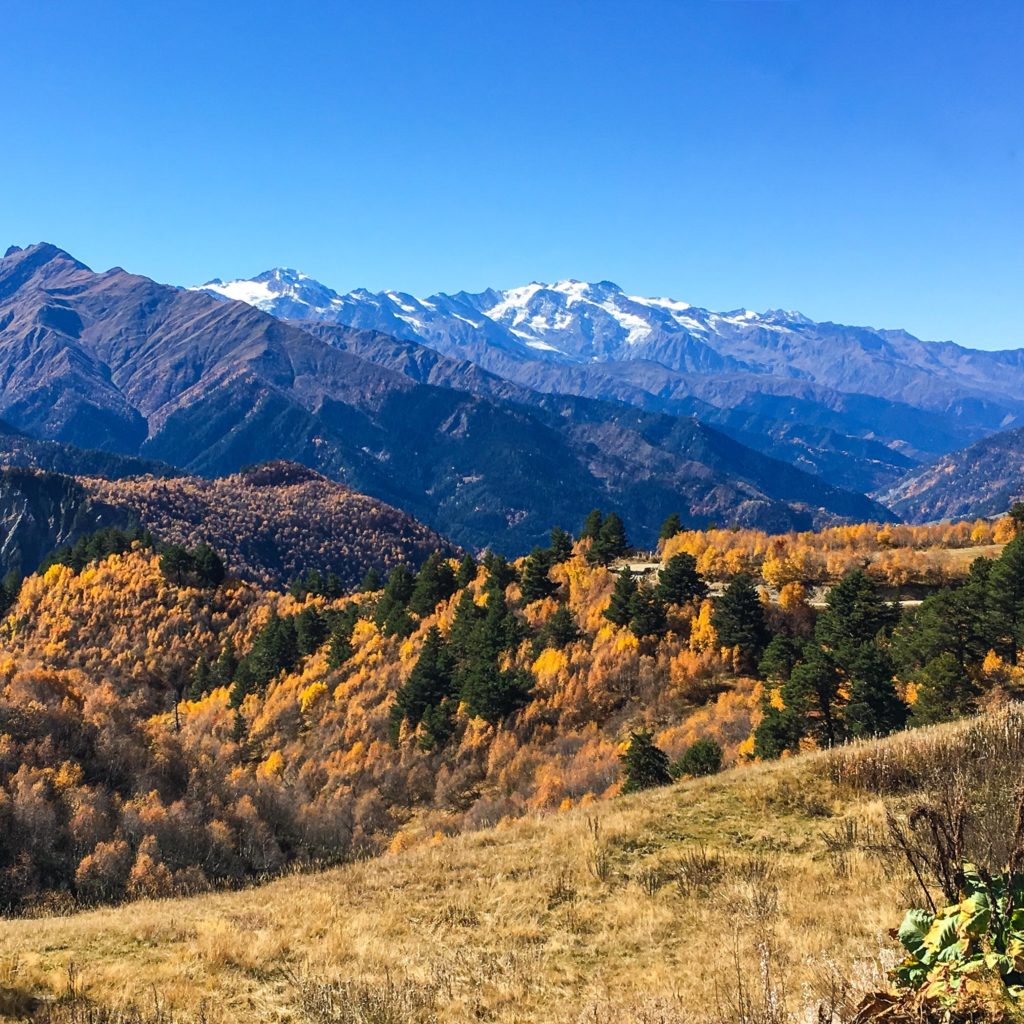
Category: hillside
[41,511]
[171,730]
[269,523]
[120,362]
[984,479]
[18,449]
[275,521]
[587,915]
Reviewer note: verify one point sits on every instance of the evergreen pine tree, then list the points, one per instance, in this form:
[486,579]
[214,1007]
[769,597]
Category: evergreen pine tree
[340,648]
[207,566]
[371,582]
[855,614]
[944,691]
[679,582]
[560,630]
[493,694]
[301,586]
[391,615]
[437,725]
[874,707]
[466,572]
[176,564]
[648,617]
[704,757]
[739,620]
[310,630]
[561,546]
[500,572]
[592,525]
[644,764]
[779,658]
[1016,515]
[435,582]
[811,699]
[9,589]
[274,650]
[949,621]
[620,607]
[672,525]
[223,672]
[499,630]
[200,680]
[465,624]
[398,622]
[537,584]
[610,542]
[429,682]
[1006,599]
[853,629]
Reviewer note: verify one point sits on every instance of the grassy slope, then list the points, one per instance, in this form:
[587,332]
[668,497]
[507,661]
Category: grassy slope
[490,920]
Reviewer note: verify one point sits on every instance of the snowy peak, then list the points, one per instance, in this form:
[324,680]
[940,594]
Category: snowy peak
[573,321]
[282,291]
[565,321]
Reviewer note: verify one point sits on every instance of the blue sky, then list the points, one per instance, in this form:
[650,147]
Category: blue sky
[860,161]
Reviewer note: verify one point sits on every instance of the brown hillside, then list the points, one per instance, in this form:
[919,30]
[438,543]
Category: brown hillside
[274,521]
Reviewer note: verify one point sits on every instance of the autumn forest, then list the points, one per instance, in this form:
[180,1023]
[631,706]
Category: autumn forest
[169,727]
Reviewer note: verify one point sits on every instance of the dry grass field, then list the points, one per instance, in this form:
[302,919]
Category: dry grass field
[753,895]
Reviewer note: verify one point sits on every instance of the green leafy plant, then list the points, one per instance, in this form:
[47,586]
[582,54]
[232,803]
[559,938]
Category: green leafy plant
[963,948]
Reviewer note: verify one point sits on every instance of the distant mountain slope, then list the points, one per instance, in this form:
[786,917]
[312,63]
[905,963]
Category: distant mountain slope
[42,511]
[273,521]
[593,339]
[269,522]
[854,463]
[117,361]
[981,480]
[18,449]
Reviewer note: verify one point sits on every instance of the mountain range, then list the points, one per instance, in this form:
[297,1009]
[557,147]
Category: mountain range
[857,405]
[118,362]
[490,416]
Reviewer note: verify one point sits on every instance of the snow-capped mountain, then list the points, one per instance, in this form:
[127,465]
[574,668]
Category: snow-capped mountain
[919,398]
[586,323]
[569,321]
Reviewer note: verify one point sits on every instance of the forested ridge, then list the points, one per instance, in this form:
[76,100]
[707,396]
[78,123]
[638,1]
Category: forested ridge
[166,726]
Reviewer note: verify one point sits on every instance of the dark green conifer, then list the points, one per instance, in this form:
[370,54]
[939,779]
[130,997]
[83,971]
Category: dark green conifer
[620,607]
[704,757]
[561,545]
[371,582]
[429,682]
[592,525]
[310,630]
[739,620]
[435,582]
[672,525]
[944,692]
[537,583]
[648,617]
[560,630]
[644,764]
[466,572]
[679,582]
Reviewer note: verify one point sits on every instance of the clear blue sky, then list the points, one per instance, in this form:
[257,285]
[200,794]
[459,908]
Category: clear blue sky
[861,161]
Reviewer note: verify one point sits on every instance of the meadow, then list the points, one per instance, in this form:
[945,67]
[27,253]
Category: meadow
[761,895]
